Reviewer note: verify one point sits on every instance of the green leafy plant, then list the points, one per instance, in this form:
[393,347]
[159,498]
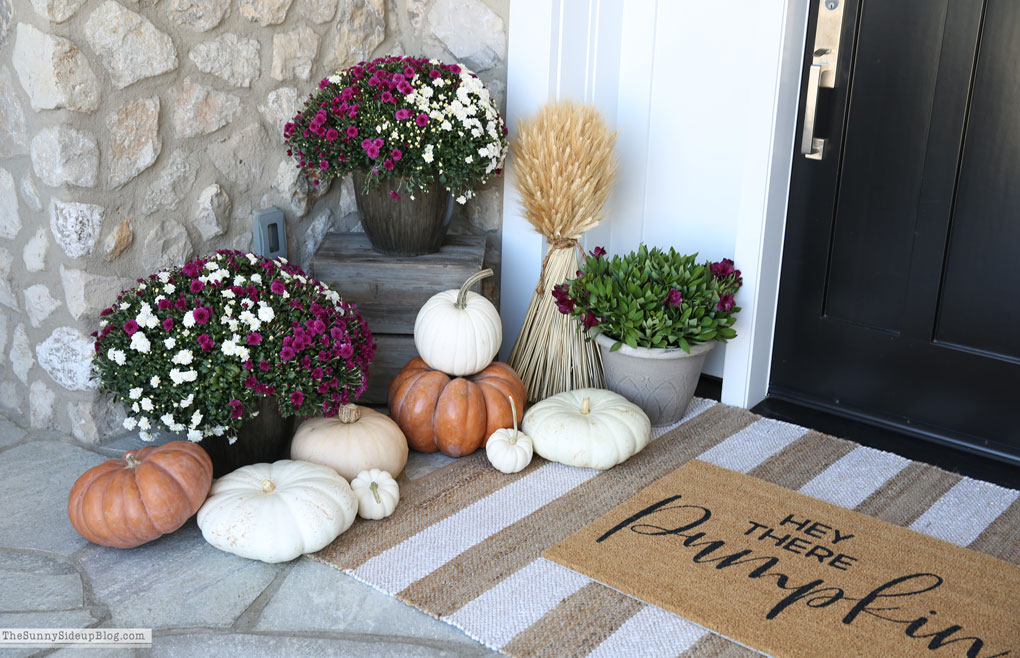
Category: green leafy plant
[653,298]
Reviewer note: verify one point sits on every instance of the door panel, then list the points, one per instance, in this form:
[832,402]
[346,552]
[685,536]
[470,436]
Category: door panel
[980,293]
[879,273]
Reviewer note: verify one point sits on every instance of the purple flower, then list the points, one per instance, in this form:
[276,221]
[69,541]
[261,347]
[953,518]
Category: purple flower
[205,342]
[387,97]
[403,114]
[236,408]
[404,87]
[296,398]
[130,327]
[202,314]
[722,268]
[725,303]
[287,353]
[422,120]
[192,269]
[598,252]
[324,164]
[434,73]
[395,195]
[168,324]
[561,294]
[197,286]
[251,381]
[352,131]
[590,321]
[346,351]
[332,135]
[372,152]
[388,164]
[277,287]
[254,338]
[162,304]
[673,298]
[264,365]
[396,155]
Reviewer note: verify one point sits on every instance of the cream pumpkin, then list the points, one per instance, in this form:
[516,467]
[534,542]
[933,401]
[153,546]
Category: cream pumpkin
[509,451]
[356,439]
[378,494]
[589,427]
[458,331]
[276,512]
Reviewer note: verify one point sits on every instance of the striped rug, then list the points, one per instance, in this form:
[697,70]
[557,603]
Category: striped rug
[465,544]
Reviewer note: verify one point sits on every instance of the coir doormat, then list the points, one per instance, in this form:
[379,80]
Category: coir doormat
[797,576]
[466,542]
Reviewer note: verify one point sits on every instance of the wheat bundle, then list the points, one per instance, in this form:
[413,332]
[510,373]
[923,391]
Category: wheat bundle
[564,166]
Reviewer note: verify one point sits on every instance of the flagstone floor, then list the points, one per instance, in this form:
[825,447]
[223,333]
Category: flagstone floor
[198,600]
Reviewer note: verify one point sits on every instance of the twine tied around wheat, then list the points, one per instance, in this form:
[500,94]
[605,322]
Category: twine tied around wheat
[563,161]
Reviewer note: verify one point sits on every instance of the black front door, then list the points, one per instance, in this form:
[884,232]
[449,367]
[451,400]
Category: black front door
[900,292]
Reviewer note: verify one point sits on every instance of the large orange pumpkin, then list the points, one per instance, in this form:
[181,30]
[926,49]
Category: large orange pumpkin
[144,495]
[454,416]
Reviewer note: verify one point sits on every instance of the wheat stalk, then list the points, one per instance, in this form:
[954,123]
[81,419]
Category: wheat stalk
[564,172]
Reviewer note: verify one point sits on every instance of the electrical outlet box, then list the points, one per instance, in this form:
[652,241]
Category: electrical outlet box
[269,230]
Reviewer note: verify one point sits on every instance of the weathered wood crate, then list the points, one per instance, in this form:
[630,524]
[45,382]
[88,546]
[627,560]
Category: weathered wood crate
[389,290]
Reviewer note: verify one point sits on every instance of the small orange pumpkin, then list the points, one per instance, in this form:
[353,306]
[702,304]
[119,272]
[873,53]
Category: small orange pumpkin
[144,495]
[454,416]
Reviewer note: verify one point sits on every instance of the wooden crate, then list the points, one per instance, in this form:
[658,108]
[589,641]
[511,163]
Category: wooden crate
[389,290]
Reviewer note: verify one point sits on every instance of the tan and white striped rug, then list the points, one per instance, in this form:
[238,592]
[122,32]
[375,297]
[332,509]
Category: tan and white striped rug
[465,544]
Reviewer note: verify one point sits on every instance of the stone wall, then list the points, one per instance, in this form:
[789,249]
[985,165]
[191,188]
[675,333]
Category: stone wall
[137,133]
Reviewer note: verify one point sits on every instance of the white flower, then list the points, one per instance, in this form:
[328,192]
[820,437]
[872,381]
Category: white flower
[117,356]
[461,200]
[334,79]
[469,159]
[438,82]
[189,375]
[212,265]
[168,420]
[175,376]
[163,276]
[186,402]
[219,430]
[250,319]
[135,408]
[228,293]
[196,419]
[243,353]
[446,125]
[145,436]
[140,343]
[124,306]
[146,404]
[194,436]
[189,319]
[169,343]
[169,288]
[154,382]
[252,258]
[184,357]
[130,423]
[135,393]
[266,313]
[257,278]
[143,423]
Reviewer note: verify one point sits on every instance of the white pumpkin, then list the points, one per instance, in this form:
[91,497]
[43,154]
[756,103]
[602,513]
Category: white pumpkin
[509,451]
[378,494]
[589,427]
[458,331]
[276,512]
[356,439]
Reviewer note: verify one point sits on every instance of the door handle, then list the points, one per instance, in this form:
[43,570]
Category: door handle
[823,71]
[810,146]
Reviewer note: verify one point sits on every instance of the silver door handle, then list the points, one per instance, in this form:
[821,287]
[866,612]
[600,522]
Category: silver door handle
[811,147]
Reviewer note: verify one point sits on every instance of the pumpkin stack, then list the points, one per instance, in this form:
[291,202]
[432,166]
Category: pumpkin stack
[454,396]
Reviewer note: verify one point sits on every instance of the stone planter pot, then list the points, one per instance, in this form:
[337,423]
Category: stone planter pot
[264,438]
[402,227]
[660,381]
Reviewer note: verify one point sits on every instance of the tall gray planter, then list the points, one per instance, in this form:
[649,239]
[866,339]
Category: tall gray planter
[660,381]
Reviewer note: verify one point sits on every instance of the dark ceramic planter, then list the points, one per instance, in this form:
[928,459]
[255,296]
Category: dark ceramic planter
[264,438]
[402,227]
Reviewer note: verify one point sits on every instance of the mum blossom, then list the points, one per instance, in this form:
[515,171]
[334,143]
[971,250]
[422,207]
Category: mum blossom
[130,327]
[726,303]
[673,298]
[277,286]
[721,268]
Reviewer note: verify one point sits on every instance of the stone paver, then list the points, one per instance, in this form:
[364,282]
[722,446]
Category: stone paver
[198,600]
[177,580]
[38,475]
[344,605]
[212,645]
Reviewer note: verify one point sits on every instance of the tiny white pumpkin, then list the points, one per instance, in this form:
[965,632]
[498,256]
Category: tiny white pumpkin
[355,440]
[276,512]
[458,331]
[378,494]
[509,451]
[589,427]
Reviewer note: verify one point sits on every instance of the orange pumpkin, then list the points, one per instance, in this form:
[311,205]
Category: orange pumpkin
[455,416]
[144,495]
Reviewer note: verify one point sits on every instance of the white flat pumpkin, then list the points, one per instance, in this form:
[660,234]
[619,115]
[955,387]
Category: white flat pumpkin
[276,512]
[378,494]
[356,439]
[458,331]
[589,427]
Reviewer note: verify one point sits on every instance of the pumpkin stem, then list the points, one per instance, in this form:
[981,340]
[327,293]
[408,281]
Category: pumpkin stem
[513,410]
[268,486]
[375,492]
[585,406]
[472,280]
[131,461]
[350,413]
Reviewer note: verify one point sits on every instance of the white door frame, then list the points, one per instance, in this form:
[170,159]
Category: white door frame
[535,57]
